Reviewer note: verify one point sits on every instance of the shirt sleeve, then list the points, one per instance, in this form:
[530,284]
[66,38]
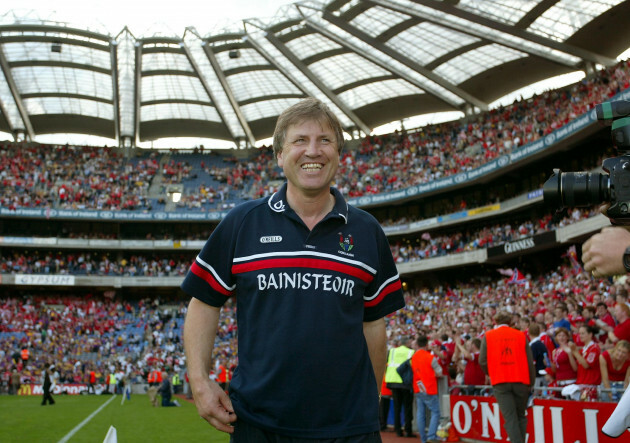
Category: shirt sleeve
[384,294]
[210,278]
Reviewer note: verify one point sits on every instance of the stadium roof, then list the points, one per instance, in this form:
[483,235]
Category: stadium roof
[372,61]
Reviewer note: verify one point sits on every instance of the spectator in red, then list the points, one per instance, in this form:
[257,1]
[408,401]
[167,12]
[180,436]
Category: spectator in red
[563,363]
[473,373]
[588,373]
[622,330]
[614,366]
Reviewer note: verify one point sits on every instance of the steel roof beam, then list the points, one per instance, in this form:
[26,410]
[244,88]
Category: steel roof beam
[137,94]
[46,29]
[208,90]
[6,70]
[317,82]
[53,39]
[364,37]
[230,94]
[115,94]
[68,95]
[60,64]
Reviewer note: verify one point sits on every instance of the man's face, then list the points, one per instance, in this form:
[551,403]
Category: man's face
[309,157]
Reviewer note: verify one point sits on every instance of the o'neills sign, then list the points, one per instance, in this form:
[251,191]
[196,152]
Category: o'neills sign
[548,421]
[523,244]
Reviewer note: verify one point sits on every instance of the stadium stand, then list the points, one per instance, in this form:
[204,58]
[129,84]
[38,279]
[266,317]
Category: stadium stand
[108,326]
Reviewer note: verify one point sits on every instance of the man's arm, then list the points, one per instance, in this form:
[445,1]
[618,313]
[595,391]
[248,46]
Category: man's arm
[376,338]
[200,330]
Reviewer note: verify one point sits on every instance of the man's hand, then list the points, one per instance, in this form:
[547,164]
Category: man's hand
[602,254]
[200,328]
[214,406]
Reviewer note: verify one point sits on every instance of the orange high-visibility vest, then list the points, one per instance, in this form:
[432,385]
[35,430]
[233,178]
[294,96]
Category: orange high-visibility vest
[25,354]
[423,371]
[507,358]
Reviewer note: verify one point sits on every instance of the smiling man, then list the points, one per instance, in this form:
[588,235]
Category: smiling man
[313,278]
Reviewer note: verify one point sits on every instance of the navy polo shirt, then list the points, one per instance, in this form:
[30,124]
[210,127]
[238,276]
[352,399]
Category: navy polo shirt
[302,297]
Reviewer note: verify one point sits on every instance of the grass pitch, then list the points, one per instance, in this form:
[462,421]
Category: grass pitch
[23,419]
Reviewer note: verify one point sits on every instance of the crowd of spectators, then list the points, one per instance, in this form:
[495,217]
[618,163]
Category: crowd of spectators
[92,263]
[166,265]
[102,178]
[566,299]
[429,246]
[89,333]
[73,177]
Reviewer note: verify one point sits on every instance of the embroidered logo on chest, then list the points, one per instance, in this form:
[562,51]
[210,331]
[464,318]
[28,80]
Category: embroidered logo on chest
[346,243]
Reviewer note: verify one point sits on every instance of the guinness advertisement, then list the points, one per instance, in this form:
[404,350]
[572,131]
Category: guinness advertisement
[522,245]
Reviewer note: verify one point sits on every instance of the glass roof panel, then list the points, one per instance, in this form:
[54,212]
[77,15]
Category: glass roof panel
[343,69]
[488,32]
[311,44]
[505,11]
[268,108]
[251,84]
[165,60]
[68,105]
[280,60]
[420,45]
[247,57]
[178,111]
[374,92]
[210,79]
[471,63]
[41,51]
[377,20]
[564,18]
[13,114]
[47,79]
[169,87]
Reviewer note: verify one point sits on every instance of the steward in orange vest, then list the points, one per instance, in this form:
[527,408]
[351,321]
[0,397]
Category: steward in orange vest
[426,370]
[507,358]
[154,378]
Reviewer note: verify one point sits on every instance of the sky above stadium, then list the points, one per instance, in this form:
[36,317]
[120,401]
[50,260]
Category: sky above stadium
[144,17]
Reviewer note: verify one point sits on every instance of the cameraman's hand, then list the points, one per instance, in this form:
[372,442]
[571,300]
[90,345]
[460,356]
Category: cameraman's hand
[602,254]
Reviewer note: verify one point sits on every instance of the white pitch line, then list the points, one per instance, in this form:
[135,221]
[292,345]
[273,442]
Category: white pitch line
[69,435]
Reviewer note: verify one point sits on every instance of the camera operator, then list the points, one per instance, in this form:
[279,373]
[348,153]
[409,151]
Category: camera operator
[607,253]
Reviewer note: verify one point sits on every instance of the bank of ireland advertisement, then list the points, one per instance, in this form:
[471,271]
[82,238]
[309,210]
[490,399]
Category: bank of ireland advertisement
[548,421]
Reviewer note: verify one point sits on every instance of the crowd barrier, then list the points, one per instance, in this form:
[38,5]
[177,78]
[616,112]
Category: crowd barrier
[548,421]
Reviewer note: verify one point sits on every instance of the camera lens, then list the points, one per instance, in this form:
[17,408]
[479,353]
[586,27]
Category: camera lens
[569,189]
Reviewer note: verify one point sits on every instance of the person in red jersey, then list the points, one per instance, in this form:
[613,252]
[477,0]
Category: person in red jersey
[563,364]
[588,373]
[614,365]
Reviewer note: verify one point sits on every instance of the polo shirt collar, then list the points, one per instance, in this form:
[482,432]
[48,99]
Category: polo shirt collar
[278,203]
